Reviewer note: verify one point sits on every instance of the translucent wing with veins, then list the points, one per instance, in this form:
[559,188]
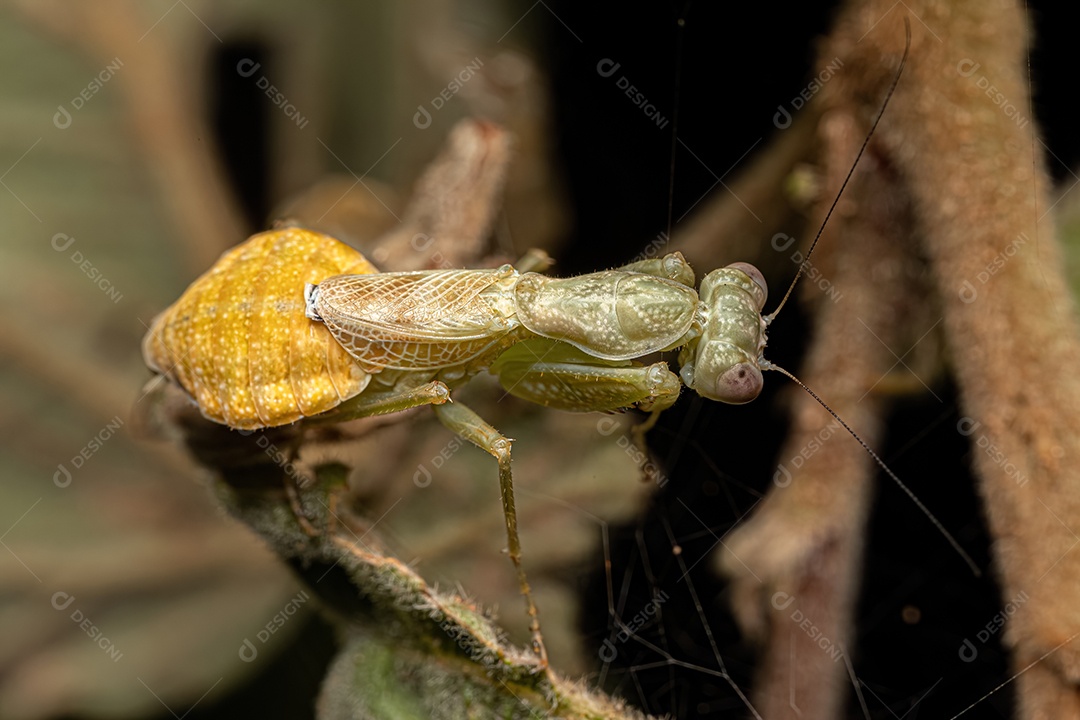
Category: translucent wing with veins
[416,320]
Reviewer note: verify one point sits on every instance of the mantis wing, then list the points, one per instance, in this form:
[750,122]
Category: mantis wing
[416,320]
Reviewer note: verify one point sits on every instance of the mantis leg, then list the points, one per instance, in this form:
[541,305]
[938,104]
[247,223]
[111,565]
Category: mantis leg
[472,427]
[671,267]
[466,423]
[534,261]
[367,404]
[554,374]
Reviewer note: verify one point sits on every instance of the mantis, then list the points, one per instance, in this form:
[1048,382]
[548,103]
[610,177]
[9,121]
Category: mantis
[294,325]
[257,344]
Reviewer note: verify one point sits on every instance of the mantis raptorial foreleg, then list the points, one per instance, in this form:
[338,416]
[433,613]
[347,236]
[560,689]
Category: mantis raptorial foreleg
[554,374]
[460,419]
[558,375]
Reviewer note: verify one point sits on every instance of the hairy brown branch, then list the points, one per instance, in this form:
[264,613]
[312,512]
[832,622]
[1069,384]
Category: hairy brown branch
[963,162]
[979,195]
[409,650]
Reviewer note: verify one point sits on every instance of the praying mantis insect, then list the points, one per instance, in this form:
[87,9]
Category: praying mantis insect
[293,324]
[257,344]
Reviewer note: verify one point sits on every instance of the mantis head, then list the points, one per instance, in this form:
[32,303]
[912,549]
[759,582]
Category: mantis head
[723,362]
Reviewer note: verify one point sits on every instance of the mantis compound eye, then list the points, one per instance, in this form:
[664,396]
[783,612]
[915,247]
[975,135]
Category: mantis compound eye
[756,276]
[739,384]
[725,373]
